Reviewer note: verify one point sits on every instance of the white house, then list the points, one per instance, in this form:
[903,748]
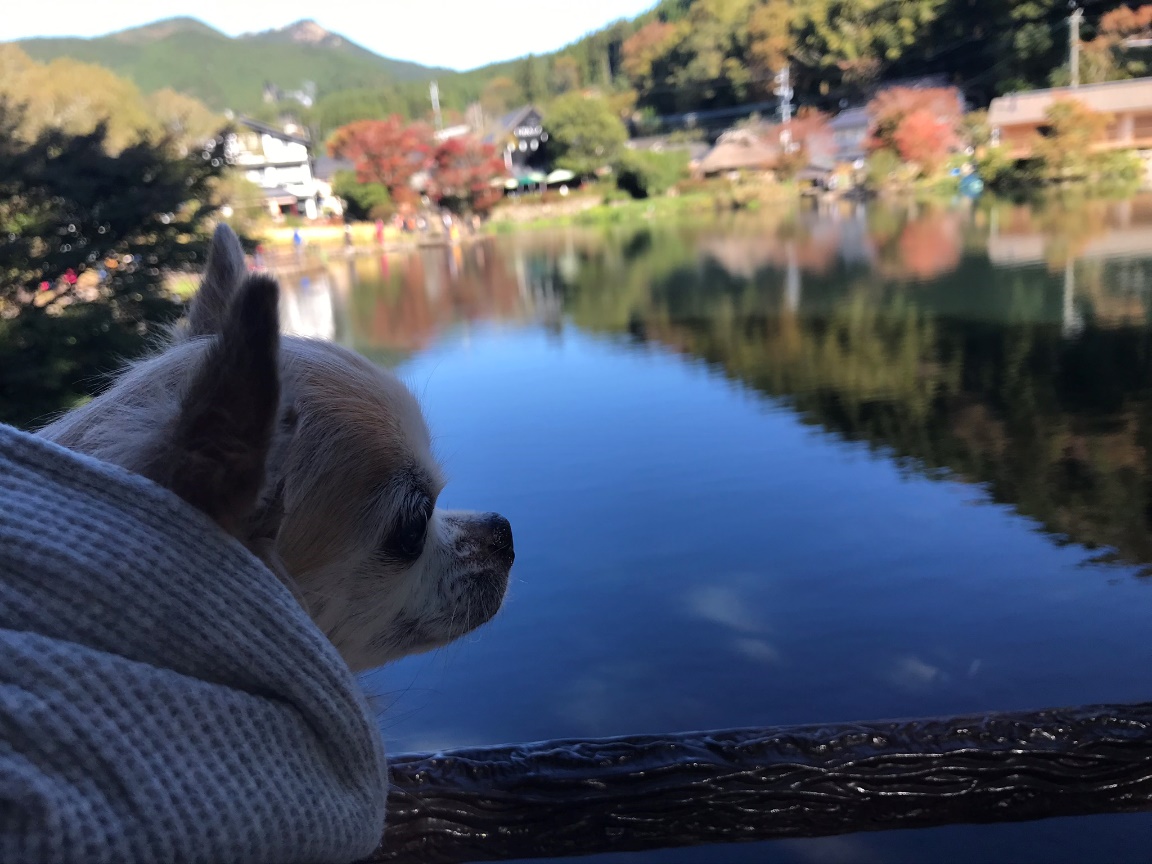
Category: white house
[850,129]
[279,161]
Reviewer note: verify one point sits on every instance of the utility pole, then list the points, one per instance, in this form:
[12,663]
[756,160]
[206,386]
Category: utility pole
[1074,45]
[434,92]
[784,91]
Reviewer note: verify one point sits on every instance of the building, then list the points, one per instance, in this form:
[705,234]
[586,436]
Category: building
[306,95]
[279,161]
[521,136]
[761,147]
[460,130]
[850,131]
[747,150]
[852,127]
[1018,119]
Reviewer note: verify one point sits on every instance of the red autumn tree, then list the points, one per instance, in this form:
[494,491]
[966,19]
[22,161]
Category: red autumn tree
[924,139]
[918,124]
[891,106]
[388,152]
[1125,21]
[811,136]
[462,172]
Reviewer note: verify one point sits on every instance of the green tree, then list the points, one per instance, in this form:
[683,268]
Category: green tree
[188,121]
[770,43]
[362,200]
[644,174]
[501,95]
[532,77]
[88,240]
[709,63]
[585,134]
[74,97]
[565,74]
[645,53]
[1066,148]
[347,106]
[853,40]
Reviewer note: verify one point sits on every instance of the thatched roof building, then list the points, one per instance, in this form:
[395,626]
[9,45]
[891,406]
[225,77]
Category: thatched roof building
[741,150]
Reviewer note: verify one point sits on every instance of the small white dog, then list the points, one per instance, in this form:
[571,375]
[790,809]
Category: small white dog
[315,458]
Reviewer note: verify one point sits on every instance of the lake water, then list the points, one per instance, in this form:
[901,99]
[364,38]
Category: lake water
[845,465]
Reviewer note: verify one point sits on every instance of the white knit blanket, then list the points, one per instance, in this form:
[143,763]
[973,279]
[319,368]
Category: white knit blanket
[162,697]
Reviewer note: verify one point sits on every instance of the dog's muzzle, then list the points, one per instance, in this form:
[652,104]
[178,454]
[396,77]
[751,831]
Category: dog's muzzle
[498,540]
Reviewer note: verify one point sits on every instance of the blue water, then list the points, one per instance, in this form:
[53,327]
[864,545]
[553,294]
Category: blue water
[715,530]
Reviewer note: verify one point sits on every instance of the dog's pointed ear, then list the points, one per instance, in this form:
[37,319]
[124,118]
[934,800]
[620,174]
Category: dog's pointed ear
[216,451]
[223,276]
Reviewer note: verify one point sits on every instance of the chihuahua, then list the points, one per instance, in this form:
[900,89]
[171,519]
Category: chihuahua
[317,460]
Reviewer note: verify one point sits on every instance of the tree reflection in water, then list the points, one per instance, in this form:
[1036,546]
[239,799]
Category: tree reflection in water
[1001,345]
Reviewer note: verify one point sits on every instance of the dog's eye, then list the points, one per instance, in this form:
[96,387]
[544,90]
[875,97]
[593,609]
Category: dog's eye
[407,539]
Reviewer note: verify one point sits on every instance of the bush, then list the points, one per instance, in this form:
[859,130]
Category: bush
[585,133]
[363,200]
[995,166]
[882,168]
[645,174]
[1118,166]
[1117,169]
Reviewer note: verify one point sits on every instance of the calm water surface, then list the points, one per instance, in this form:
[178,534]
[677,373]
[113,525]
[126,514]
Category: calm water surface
[847,466]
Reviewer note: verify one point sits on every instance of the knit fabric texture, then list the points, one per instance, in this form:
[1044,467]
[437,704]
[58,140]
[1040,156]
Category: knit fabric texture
[162,696]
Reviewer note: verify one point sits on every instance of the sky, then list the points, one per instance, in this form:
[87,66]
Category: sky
[459,34]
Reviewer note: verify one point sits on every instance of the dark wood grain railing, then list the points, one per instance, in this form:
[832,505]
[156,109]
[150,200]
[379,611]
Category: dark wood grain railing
[562,798]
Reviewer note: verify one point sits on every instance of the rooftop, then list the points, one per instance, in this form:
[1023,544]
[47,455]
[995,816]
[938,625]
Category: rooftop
[1031,106]
[266,129]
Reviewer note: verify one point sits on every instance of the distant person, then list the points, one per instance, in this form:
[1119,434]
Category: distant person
[379,232]
[297,240]
[348,235]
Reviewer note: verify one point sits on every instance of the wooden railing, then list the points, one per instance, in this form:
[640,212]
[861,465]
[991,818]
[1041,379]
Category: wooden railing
[563,798]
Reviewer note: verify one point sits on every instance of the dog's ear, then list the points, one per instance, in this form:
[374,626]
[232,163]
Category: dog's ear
[215,453]
[223,276]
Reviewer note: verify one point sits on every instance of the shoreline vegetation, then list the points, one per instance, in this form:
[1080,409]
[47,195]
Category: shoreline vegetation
[593,207]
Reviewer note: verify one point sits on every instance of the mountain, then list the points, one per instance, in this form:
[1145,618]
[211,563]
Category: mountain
[224,72]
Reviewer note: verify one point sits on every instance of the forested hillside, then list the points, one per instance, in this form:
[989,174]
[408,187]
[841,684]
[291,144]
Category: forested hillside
[187,55]
[681,56]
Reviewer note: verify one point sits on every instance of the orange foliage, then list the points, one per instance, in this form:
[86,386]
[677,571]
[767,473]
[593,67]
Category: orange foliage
[1125,21]
[925,140]
[919,124]
[810,122]
[645,47]
[891,106]
[388,152]
[462,172]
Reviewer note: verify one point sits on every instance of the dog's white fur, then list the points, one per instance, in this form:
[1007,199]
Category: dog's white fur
[350,464]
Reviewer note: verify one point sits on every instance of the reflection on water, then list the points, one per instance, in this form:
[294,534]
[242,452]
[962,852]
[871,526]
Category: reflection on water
[742,459]
[309,309]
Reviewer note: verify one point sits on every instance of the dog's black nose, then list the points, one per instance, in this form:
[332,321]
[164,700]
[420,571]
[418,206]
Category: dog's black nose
[500,539]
